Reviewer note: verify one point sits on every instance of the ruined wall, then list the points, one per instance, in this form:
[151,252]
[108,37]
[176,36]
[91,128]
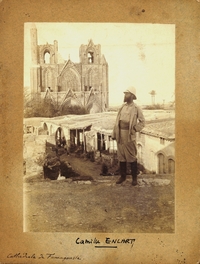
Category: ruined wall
[34,153]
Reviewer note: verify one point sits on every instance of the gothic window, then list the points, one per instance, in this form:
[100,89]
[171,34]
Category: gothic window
[48,78]
[70,81]
[90,57]
[47,57]
[161,163]
[171,166]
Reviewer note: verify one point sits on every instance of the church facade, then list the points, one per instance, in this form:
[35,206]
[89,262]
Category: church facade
[84,83]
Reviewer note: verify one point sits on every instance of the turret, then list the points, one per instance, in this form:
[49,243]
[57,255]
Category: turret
[56,51]
[34,44]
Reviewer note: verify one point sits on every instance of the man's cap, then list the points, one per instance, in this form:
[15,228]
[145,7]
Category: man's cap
[131,90]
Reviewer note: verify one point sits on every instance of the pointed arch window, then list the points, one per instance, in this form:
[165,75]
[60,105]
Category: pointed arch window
[90,57]
[47,57]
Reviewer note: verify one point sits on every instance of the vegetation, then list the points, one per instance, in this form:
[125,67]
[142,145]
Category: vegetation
[154,107]
[74,110]
[37,107]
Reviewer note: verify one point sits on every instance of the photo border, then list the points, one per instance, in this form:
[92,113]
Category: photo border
[181,247]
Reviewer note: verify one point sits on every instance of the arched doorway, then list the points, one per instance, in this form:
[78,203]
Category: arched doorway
[45,128]
[161,163]
[171,166]
[59,137]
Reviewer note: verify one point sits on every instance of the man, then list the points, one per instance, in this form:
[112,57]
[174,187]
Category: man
[129,120]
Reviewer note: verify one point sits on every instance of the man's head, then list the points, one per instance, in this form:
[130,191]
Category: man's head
[130,95]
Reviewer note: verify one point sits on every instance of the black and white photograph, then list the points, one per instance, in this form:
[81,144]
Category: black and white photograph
[99,128]
[93,95]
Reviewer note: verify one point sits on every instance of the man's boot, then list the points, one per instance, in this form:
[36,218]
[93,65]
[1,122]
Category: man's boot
[134,173]
[122,170]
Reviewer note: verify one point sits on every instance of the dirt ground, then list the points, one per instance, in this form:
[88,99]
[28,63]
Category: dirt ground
[99,205]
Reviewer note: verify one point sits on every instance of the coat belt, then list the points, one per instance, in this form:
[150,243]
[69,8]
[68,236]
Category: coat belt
[123,125]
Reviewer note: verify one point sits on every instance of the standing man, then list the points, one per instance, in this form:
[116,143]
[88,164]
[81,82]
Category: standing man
[129,120]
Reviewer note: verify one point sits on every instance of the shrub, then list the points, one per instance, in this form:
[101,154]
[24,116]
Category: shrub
[154,107]
[37,107]
[74,110]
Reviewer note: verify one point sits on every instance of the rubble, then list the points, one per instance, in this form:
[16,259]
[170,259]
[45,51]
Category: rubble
[56,166]
[51,167]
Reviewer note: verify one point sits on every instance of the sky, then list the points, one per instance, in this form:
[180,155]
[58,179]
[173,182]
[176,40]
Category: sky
[139,55]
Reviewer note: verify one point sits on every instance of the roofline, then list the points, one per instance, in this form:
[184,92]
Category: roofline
[158,136]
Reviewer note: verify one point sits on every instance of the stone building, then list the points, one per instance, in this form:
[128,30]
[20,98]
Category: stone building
[65,82]
[155,143]
[156,146]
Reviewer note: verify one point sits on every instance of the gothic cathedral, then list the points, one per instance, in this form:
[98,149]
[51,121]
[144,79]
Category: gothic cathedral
[84,83]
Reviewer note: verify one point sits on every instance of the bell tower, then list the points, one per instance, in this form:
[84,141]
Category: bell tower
[94,72]
[90,54]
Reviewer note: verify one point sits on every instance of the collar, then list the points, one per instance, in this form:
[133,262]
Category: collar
[129,104]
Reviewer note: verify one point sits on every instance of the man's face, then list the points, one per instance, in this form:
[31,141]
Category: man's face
[128,97]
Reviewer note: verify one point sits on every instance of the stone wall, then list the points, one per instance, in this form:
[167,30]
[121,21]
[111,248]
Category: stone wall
[34,148]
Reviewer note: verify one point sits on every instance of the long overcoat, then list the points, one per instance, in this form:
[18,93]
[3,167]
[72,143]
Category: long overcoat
[136,123]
